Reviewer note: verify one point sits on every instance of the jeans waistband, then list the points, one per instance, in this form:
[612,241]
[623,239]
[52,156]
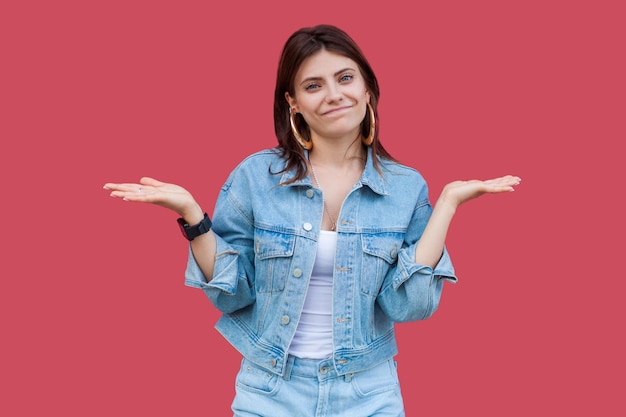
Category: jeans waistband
[320,369]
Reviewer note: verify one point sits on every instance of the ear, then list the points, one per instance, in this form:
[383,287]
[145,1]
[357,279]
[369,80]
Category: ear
[367,96]
[291,101]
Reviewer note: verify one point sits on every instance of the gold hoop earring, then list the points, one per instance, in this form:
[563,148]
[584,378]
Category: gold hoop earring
[370,138]
[305,144]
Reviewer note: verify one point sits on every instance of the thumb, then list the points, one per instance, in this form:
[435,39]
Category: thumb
[150,181]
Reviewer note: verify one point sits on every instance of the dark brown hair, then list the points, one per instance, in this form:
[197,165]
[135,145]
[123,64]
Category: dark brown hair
[301,45]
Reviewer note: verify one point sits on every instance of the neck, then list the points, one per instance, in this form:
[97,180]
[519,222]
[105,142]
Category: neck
[337,154]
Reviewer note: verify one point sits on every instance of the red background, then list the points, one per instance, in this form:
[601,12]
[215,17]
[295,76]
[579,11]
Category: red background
[95,319]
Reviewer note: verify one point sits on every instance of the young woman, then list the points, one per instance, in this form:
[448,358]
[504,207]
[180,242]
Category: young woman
[319,245]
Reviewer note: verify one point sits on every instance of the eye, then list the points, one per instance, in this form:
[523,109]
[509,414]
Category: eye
[346,77]
[312,86]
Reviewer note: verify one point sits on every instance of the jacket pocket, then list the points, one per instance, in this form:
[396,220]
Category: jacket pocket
[273,254]
[380,252]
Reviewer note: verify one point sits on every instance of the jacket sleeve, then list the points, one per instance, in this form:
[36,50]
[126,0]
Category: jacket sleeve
[412,291]
[232,286]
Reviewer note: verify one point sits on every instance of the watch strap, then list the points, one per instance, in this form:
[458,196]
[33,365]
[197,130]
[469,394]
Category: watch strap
[192,232]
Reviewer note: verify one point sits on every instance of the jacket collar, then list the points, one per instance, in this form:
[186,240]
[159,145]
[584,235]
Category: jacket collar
[370,177]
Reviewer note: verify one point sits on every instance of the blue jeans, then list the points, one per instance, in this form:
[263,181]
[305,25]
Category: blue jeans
[311,387]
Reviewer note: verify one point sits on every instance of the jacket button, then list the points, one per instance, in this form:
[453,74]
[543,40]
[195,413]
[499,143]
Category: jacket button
[297,272]
[284,319]
[310,193]
[307,226]
[273,363]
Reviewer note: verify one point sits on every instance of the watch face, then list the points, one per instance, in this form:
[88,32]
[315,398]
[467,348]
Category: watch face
[183,228]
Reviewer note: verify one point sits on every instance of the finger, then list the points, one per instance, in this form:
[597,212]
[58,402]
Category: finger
[111,186]
[140,194]
[140,197]
[499,188]
[506,180]
[150,181]
[145,181]
[131,192]
[510,179]
[500,179]
[121,187]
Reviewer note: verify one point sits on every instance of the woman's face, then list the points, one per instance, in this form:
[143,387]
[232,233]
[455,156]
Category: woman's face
[331,95]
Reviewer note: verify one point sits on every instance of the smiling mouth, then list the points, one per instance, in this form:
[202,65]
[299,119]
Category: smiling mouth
[337,109]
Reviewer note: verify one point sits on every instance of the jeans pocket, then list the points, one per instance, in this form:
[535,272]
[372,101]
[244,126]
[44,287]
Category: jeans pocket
[381,378]
[255,379]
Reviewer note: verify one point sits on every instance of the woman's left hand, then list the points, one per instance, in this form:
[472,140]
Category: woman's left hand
[458,192]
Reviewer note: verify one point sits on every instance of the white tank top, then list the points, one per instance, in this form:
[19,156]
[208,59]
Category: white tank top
[314,335]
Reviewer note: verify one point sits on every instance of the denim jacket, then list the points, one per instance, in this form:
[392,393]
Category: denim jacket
[267,235]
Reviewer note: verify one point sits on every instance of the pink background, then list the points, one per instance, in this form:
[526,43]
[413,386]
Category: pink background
[95,319]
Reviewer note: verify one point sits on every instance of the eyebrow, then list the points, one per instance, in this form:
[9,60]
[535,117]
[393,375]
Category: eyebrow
[315,78]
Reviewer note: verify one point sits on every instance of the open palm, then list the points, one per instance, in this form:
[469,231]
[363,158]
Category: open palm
[459,192]
[149,190]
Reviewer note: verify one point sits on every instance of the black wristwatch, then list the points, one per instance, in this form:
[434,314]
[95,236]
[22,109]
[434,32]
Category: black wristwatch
[192,232]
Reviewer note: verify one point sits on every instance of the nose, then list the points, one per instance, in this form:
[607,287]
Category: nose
[333,93]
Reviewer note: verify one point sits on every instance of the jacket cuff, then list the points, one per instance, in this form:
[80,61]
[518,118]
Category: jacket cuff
[225,280]
[407,268]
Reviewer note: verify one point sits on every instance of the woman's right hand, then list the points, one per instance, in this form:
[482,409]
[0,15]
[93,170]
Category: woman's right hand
[149,190]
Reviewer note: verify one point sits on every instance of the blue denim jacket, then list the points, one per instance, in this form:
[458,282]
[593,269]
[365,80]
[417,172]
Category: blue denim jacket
[266,244]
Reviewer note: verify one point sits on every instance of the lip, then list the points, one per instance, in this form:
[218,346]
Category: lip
[337,110]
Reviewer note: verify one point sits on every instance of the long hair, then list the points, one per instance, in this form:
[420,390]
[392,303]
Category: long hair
[301,45]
